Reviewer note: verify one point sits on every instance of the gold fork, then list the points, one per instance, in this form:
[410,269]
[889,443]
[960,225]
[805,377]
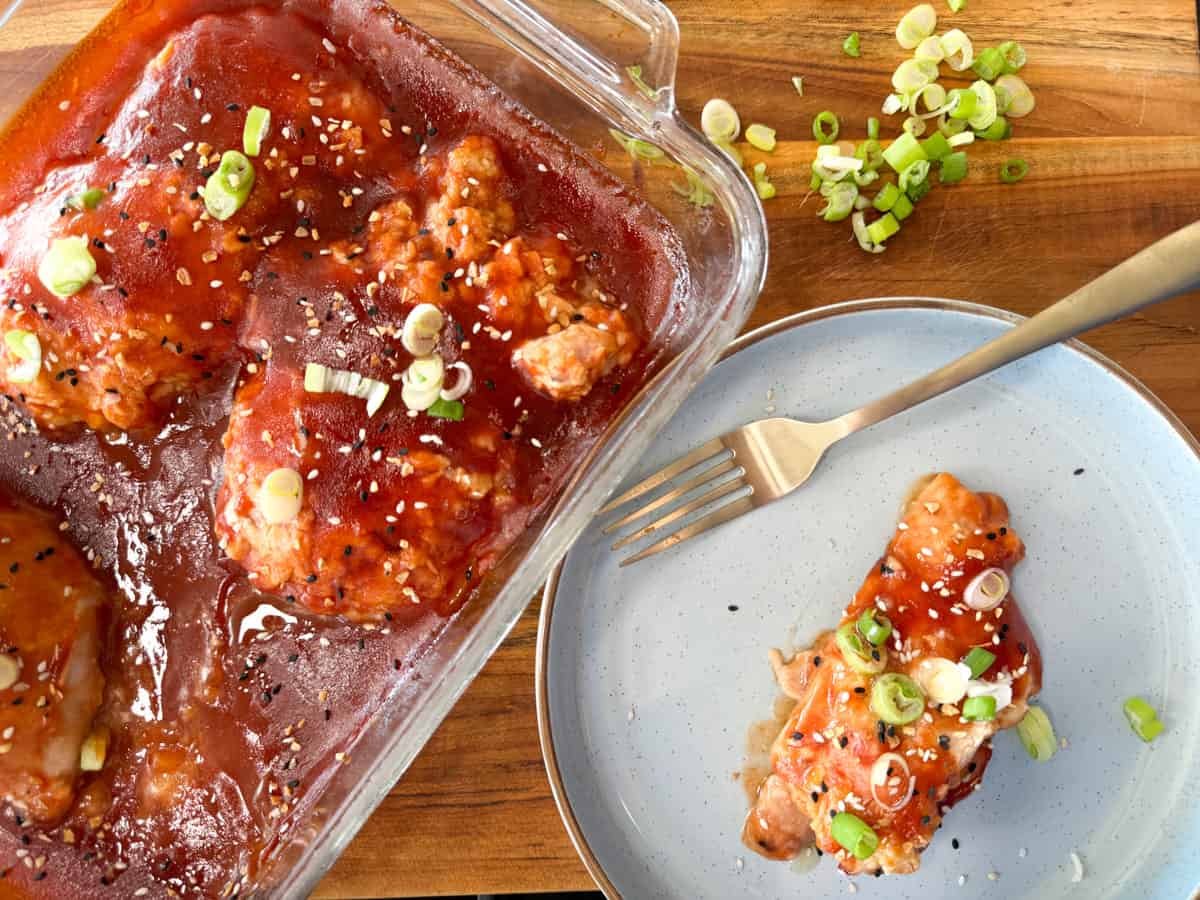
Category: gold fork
[758,463]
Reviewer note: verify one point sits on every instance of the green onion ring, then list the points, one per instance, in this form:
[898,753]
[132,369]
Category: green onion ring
[897,699]
[825,127]
[1013,170]
[854,834]
[859,655]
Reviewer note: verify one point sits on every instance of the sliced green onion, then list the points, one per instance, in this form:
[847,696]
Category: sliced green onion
[642,150]
[914,173]
[635,75]
[89,199]
[281,496]
[67,266]
[953,127]
[989,64]
[854,834]
[798,84]
[863,179]
[930,49]
[914,125]
[999,130]
[1142,719]
[446,409]
[961,139]
[892,104]
[815,182]
[1013,55]
[1020,98]
[887,196]
[875,630]
[979,709]
[917,190]
[957,5]
[825,127]
[762,184]
[896,698]
[873,128]
[25,346]
[942,680]
[871,153]
[916,25]
[850,45]
[858,224]
[936,146]
[913,74]
[985,109]
[719,120]
[761,137]
[858,654]
[957,49]
[902,208]
[979,661]
[258,123]
[228,188]
[840,202]
[1037,734]
[933,96]
[319,379]
[695,191]
[962,103]
[903,151]
[1013,170]
[882,229]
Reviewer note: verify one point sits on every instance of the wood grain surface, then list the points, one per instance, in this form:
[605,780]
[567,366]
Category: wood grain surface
[1114,155]
[1114,163]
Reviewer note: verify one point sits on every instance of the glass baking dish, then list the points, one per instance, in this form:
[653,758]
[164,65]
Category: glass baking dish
[567,61]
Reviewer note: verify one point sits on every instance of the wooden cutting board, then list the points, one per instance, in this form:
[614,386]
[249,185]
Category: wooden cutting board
[1114,155]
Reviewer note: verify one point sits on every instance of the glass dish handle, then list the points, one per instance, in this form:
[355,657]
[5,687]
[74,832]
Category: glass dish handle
[588,71]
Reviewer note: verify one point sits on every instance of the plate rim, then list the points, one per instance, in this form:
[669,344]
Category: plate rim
[545,737]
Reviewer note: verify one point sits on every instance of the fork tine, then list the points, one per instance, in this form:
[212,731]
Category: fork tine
[670,497]
[718,516]
[687,509]
[695,457]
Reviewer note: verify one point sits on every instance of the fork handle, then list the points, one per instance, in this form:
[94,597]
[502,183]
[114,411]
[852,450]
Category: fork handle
[1165,269]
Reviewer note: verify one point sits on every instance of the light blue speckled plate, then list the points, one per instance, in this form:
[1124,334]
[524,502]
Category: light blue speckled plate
[648,682]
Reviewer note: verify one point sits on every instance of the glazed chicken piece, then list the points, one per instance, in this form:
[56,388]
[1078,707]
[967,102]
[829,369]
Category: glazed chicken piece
[51,615]
[899,764]
[157,318]
[385,521]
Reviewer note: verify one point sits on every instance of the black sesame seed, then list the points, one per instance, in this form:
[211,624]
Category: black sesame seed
[1079,471]
[944,741]
[954,843]
[292,657]
[843,741]
[860,690]
[797,735]
[816,660]
[824,788]
[991,535]
[311,578]
[362,644]
[451,220]
[1003,531]
[232,107]
[925,820]
[971,767]
[815,796]
[733,607]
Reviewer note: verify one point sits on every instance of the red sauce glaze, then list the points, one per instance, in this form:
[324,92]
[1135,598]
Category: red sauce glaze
[228,715]
[832,739]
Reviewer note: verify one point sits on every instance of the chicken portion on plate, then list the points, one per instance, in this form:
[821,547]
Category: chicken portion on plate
[52,611]
[895,710]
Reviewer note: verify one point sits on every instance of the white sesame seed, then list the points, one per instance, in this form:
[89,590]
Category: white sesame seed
[206,326]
